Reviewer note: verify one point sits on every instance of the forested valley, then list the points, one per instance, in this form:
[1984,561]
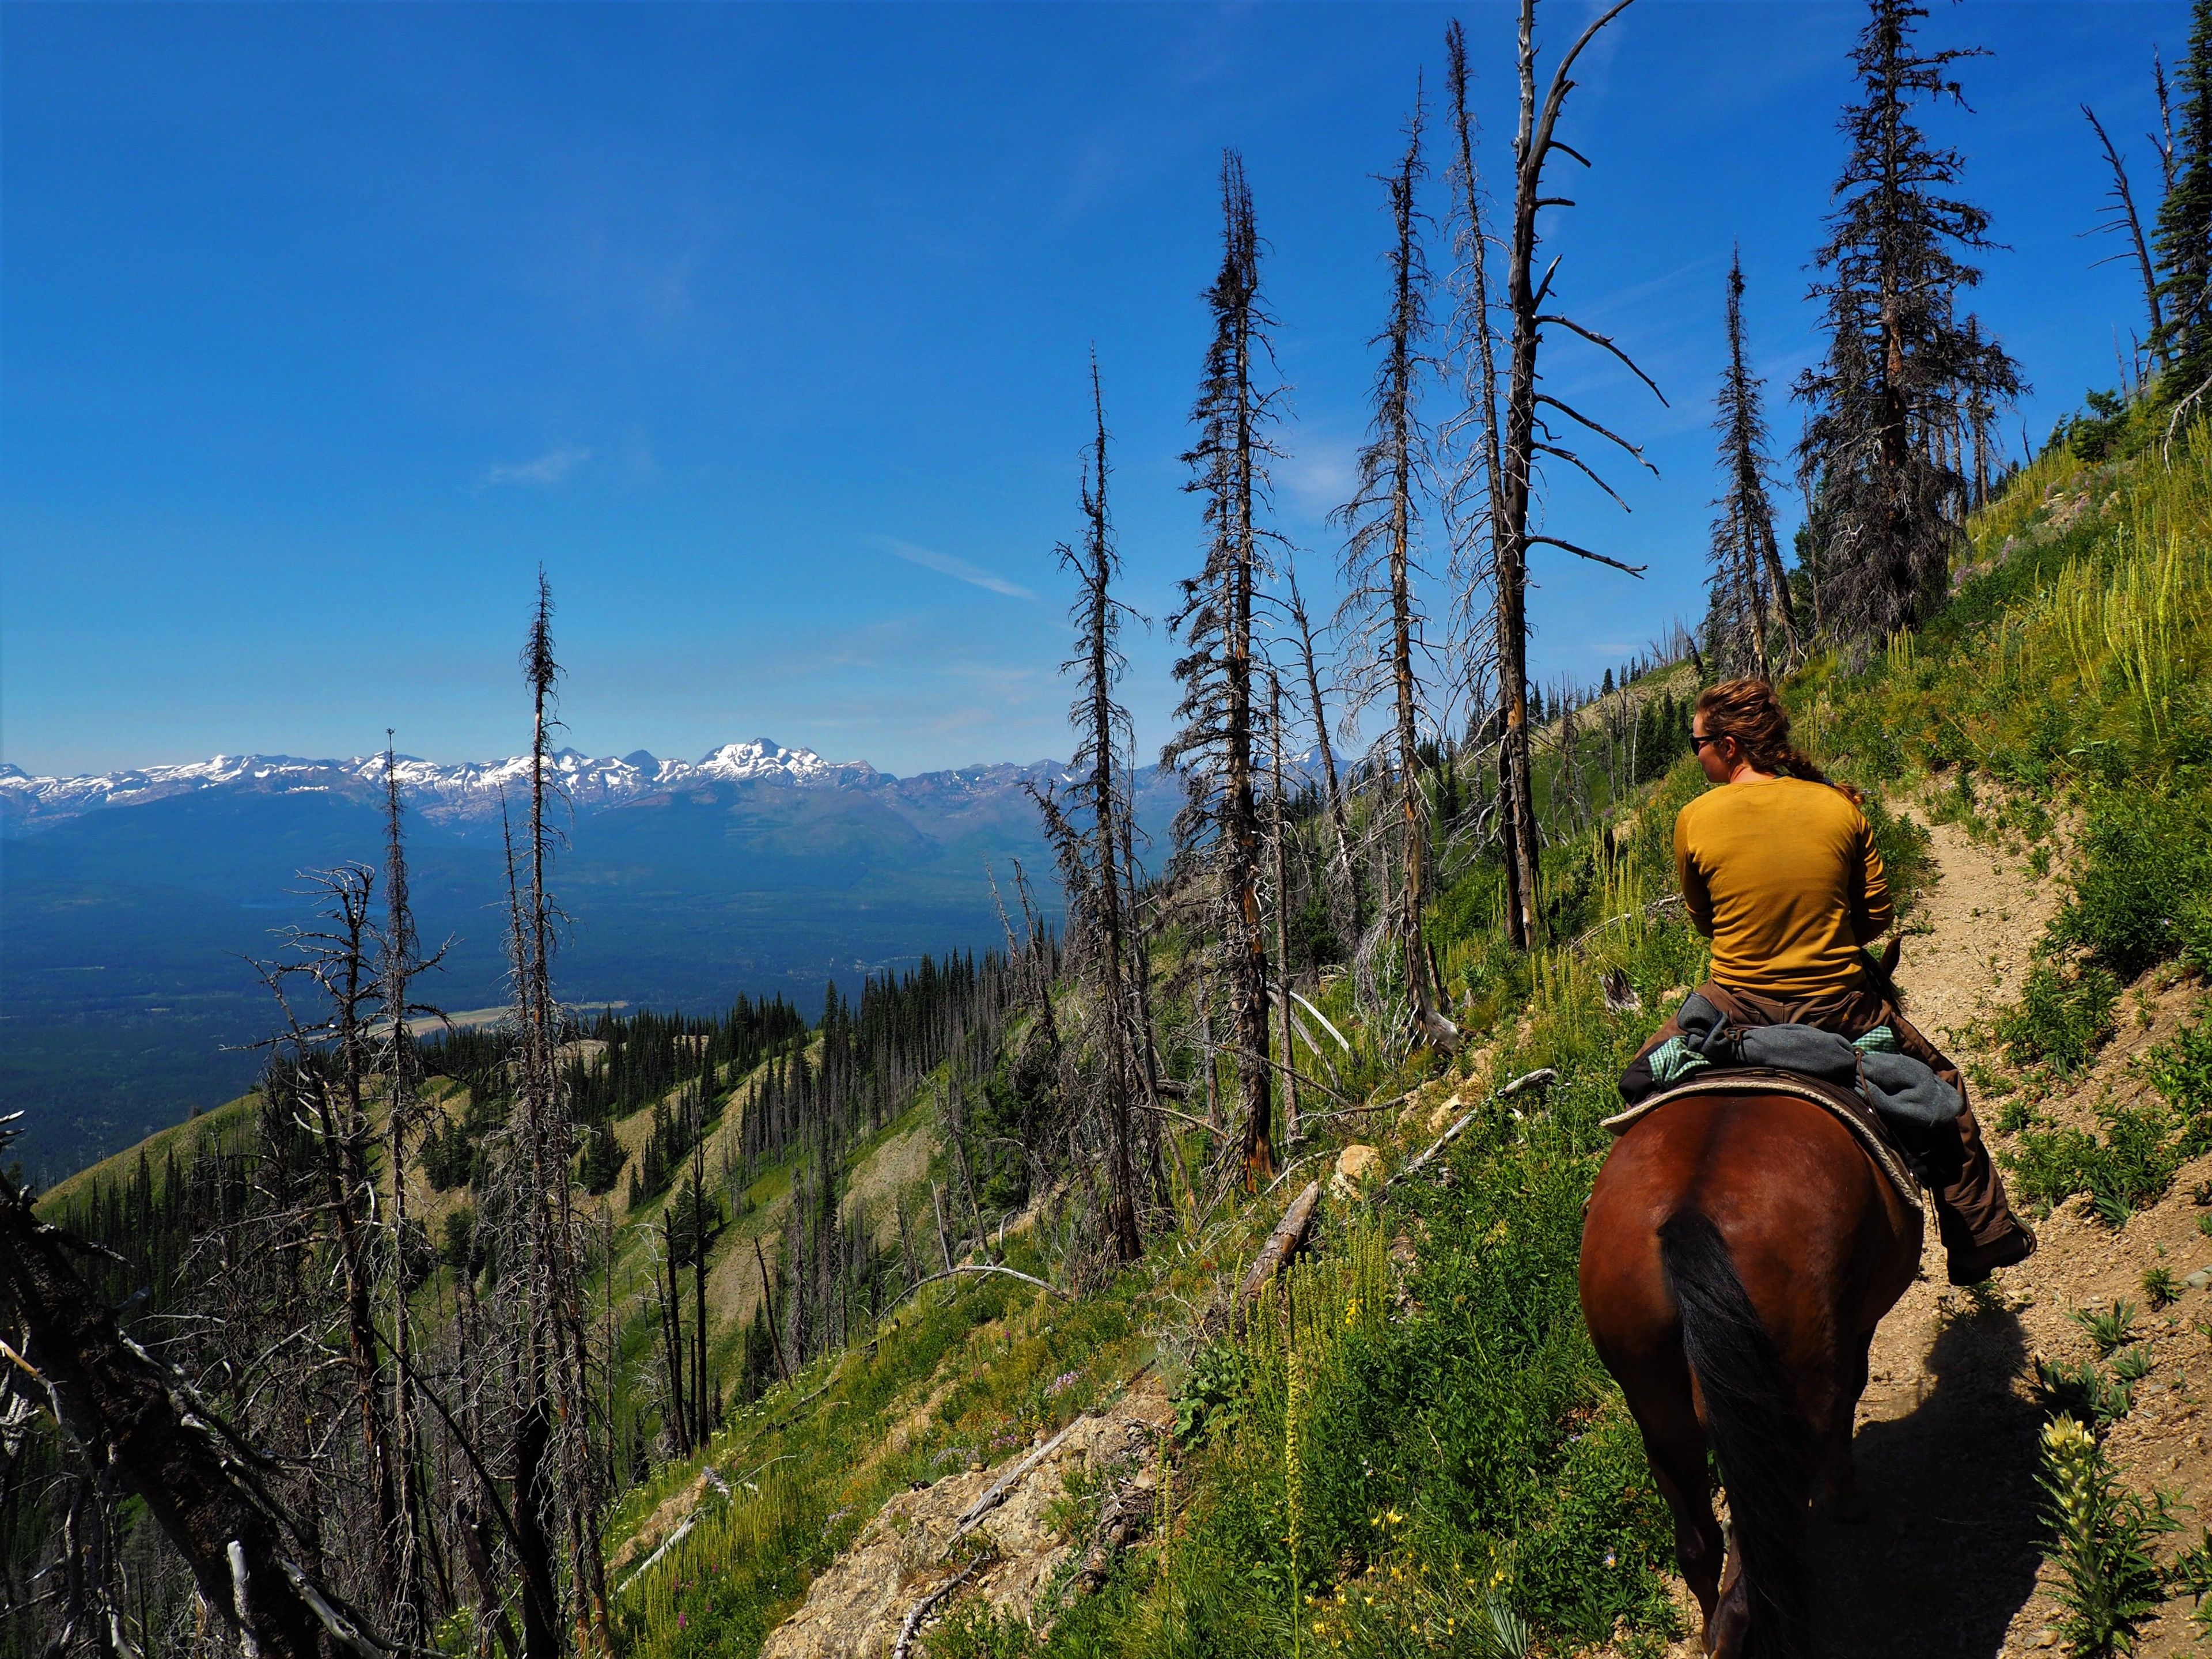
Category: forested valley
[1195,1271]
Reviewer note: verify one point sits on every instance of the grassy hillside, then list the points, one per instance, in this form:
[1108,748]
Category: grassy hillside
[1415,1451]
[1410,1448]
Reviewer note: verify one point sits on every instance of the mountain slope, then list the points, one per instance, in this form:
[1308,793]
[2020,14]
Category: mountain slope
[2041,751]
[132,899]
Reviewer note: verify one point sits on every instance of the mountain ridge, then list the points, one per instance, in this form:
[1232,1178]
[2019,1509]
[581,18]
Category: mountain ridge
[473,792]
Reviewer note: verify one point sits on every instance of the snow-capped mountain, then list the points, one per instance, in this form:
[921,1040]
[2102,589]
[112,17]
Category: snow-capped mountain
[133,900]
[474,792]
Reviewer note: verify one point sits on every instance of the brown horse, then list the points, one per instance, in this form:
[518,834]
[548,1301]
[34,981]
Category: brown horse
[1738,1253]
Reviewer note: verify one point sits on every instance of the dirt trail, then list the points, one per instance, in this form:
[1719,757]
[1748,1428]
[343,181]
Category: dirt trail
[1950,1566]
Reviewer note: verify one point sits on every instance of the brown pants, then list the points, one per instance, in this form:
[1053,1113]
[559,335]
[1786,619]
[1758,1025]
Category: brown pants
[1970,1209]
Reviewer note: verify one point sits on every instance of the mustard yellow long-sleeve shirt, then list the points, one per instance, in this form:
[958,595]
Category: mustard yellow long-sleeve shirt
[1783,878]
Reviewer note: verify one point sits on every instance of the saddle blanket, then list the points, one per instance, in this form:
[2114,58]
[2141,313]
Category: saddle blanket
[1845,1104]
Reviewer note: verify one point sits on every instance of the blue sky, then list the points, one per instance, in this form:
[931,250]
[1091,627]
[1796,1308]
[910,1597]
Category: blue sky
[765,329]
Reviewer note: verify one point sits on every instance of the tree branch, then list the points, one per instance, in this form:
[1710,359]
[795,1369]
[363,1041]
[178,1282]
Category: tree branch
[1574,414]
[1584,553]
[1598,339]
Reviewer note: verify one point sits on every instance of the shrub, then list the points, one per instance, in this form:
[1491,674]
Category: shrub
[2131,1166]
[1214,1396]
[2181,1070]
[2142,851]
[1906,850]
[2064,1017]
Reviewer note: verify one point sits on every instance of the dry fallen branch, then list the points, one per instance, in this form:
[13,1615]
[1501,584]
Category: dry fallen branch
[1005,1483]
[978,1267]
[1542,1078]
[912,1625]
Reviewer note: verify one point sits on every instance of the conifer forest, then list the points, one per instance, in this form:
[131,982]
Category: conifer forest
[1193,1270]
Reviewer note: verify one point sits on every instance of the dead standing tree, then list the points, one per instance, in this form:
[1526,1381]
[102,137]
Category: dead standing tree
[2121,216]
[335,960]
[557,1470]
[1278,828]
[401,962]
[1090,837]
[1339,819]
[1381,613]
[1214,747]
[1528,434]
[1751,594]
[1475,488]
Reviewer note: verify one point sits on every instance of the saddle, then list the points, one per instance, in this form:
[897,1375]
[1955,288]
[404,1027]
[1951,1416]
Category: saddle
[1848,1106]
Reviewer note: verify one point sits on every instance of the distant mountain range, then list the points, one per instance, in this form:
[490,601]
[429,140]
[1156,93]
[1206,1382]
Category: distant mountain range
[129,900]
[473,793]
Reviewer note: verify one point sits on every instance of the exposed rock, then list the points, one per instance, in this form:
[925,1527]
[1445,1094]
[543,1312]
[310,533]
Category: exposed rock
[856,1607]
[1353,1166]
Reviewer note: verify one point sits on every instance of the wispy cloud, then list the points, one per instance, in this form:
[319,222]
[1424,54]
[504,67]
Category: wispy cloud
[1320,477]
[550,468]
[947,565]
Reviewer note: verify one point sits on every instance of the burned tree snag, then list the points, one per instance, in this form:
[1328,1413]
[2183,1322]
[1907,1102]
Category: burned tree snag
[1528,435]
[203,1485]
[1213,747]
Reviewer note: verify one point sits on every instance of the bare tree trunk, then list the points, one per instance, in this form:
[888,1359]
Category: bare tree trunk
[403,961]
[672,1336]
[1106,724]
[1336,809]
[1507,580]
[1525,299]
[554,1336]
[2125,217]
[703,1389]
[1407,277]
[1290,1058]
[1217,673]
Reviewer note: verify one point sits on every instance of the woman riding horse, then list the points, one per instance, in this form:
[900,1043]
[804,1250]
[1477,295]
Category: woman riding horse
[1739,1249]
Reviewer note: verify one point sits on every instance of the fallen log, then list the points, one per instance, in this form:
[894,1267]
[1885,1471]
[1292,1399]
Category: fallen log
[1283,1243]
[1128,1508]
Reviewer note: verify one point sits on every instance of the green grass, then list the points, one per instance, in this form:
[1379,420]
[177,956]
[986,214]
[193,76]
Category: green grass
[1411,1447]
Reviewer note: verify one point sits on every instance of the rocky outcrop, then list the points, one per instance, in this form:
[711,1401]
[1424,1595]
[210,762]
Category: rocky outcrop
[922,1541]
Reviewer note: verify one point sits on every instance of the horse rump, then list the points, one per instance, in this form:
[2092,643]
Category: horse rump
[1757,1428]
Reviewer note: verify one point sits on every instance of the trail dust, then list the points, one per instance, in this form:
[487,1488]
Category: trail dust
[1950,1564]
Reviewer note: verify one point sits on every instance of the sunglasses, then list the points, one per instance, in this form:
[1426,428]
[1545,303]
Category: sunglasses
[1698,742]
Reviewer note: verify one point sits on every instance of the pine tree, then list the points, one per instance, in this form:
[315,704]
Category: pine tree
[2184,225]
[1214,747]
[1900,360]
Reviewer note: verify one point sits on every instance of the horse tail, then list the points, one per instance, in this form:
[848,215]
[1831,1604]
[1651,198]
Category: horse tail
[1757,1431]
